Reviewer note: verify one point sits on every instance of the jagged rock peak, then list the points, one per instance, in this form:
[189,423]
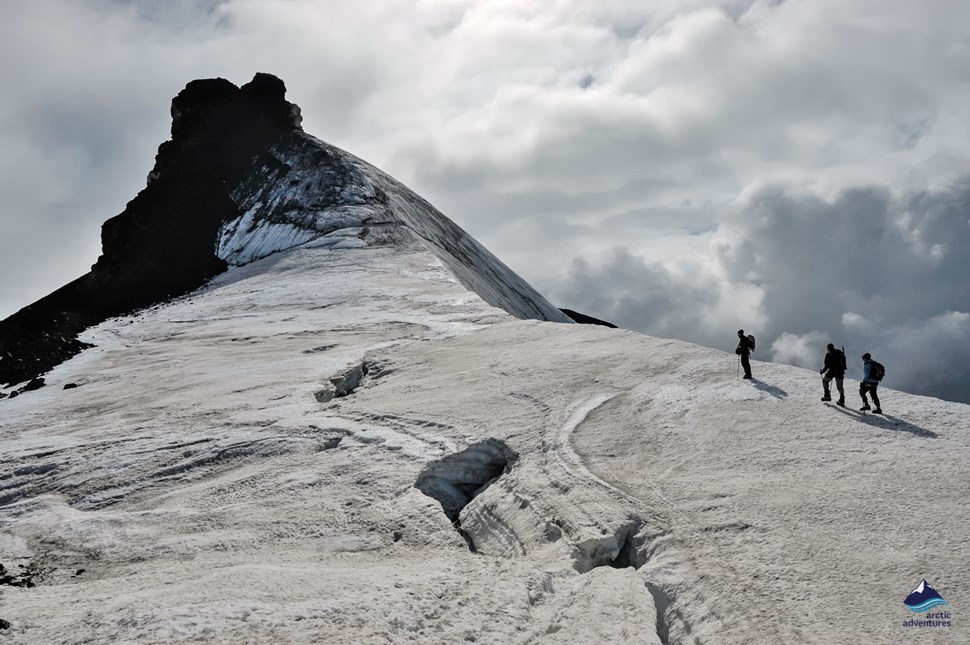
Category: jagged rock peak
[262,98]
[212,113]
[217,130]
[240,180]
[162,244]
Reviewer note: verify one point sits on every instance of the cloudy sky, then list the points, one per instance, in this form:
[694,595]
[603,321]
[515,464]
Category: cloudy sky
[800,169]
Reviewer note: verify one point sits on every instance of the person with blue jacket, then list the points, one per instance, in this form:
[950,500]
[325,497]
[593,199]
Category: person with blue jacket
[868,385]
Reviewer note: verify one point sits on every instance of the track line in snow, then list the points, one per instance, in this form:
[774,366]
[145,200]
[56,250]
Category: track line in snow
[664,596]
[568,458]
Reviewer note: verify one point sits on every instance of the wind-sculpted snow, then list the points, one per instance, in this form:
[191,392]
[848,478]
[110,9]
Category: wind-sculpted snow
[299,190]
[302,189]
[197,485]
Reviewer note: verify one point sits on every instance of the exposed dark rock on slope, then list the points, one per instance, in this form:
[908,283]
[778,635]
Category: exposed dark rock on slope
[587,320]
[239,180]
[161,245]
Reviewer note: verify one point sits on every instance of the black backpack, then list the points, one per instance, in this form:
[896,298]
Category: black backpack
[842,360]
[876,371]
[751,342]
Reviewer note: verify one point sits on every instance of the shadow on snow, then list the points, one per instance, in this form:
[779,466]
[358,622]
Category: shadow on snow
[776,392]
[887,422]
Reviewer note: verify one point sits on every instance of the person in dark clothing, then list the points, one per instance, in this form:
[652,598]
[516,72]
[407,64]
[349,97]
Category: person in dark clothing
[868,385]
[834,369]
[744,348]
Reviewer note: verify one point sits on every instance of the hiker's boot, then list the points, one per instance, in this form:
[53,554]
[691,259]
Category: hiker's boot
[877,411]
[840,403]
[826,398]
[864,408]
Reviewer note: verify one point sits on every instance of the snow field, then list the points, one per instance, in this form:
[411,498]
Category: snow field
[208,494]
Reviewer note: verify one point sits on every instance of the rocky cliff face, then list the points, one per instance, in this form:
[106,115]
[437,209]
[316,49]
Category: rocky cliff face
[163,241]
[161,245]
[239,180]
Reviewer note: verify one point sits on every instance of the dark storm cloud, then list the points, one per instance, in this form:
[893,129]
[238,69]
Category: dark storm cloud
[891,258]
[868,270]
[637,294]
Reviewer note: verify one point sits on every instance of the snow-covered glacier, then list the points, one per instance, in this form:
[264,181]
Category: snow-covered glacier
[368,430]
[345,445]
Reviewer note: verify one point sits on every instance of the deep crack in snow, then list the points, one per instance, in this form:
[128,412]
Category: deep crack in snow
[455,480]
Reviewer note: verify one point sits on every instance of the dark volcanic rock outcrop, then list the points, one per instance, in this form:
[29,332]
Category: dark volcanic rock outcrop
[240,180]
[587,320]
[162,245]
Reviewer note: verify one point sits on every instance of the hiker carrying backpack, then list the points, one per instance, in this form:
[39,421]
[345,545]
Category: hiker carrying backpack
[834,369]
[745,347]
[872,373]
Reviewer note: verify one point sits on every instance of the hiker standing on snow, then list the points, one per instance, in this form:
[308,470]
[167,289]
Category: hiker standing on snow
[834,369]
[869,384]
[744,348]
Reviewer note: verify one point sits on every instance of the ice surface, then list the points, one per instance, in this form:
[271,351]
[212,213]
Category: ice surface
[194,489]
[305,190]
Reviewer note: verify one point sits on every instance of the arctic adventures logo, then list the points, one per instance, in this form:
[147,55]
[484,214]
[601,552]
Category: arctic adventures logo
[925,598]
